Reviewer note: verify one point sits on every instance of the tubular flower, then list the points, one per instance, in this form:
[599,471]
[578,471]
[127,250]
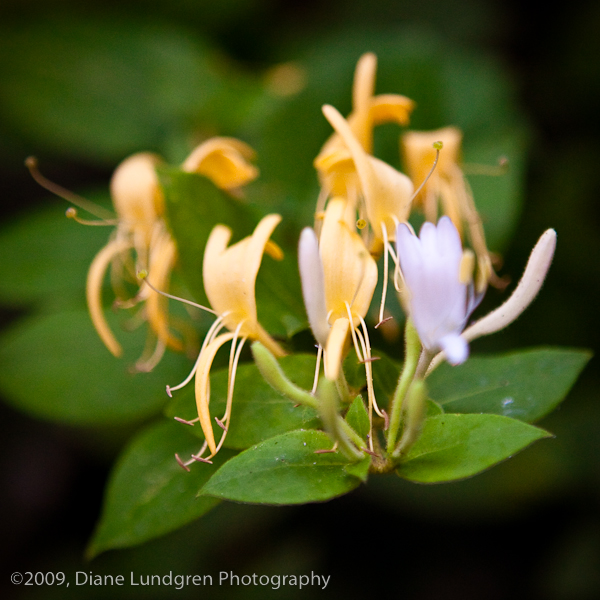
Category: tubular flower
[447,187]
[438,296]
[139,204]
[338,280]
[335,163]
[524,294]
[229,275]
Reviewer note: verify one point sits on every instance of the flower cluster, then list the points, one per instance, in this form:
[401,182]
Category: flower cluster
[362,216]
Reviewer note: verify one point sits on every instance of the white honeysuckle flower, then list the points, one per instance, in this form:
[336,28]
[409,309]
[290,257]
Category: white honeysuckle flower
[524,294]
[439,303]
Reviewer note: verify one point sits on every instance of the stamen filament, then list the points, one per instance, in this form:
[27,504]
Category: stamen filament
[32,164]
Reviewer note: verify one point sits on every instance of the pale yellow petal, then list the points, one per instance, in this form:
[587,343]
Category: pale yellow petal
[350,273]
[230,274]
[94,292]
[387,192]
[202,387]
[336,346]
[162,259]
[225,161]
[136,194]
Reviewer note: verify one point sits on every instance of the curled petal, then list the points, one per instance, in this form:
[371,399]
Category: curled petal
[525,292]
[202,386]
[387,192]
[162,259]
[94,292]
[229,275]
[225,161]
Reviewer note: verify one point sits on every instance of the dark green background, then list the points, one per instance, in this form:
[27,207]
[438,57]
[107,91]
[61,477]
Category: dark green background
[529,528]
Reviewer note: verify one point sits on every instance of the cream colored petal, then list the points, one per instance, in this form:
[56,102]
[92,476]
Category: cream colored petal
[225,161]
[94,292]
[387,192]
[230,273]
[162,260]
[335,348]
[350,273]
[202,387]
[525,292]
[390,108]
[136,194]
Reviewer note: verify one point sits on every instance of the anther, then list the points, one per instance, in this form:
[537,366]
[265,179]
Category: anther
[221,424]
[181,463]
[180,420]
[369,359]
[202,460]
[327,451]
[386,419]
[383,321]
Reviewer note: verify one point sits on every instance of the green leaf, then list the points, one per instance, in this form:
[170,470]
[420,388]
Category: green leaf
[258,411]
[148,493]
[457,446]
[284,470]
[525,385]
[56,367]
[360,469]
[358,418]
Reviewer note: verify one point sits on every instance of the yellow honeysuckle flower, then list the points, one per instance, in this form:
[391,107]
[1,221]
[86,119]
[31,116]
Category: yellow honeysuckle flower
[446,186]
[338,280]
[334,162]
[229,275]
[139,204]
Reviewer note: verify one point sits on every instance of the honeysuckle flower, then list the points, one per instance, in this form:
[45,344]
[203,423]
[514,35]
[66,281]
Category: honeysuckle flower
[338,280]
[225,161]
[437,294]
[334,162]
[139,204]
[528,288]
[387,194]
[446,188]
[229,275]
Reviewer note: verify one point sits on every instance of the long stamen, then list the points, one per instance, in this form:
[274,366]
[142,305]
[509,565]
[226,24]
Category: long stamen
[212,332]
[353,333]
[438,146]
[32,164]
[71,213]
[386,248]
[145,365]
[368,362]
[317,370]
[143,275]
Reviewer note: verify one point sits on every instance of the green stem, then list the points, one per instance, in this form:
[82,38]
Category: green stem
[415,415]
[411,361]
[271,371]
